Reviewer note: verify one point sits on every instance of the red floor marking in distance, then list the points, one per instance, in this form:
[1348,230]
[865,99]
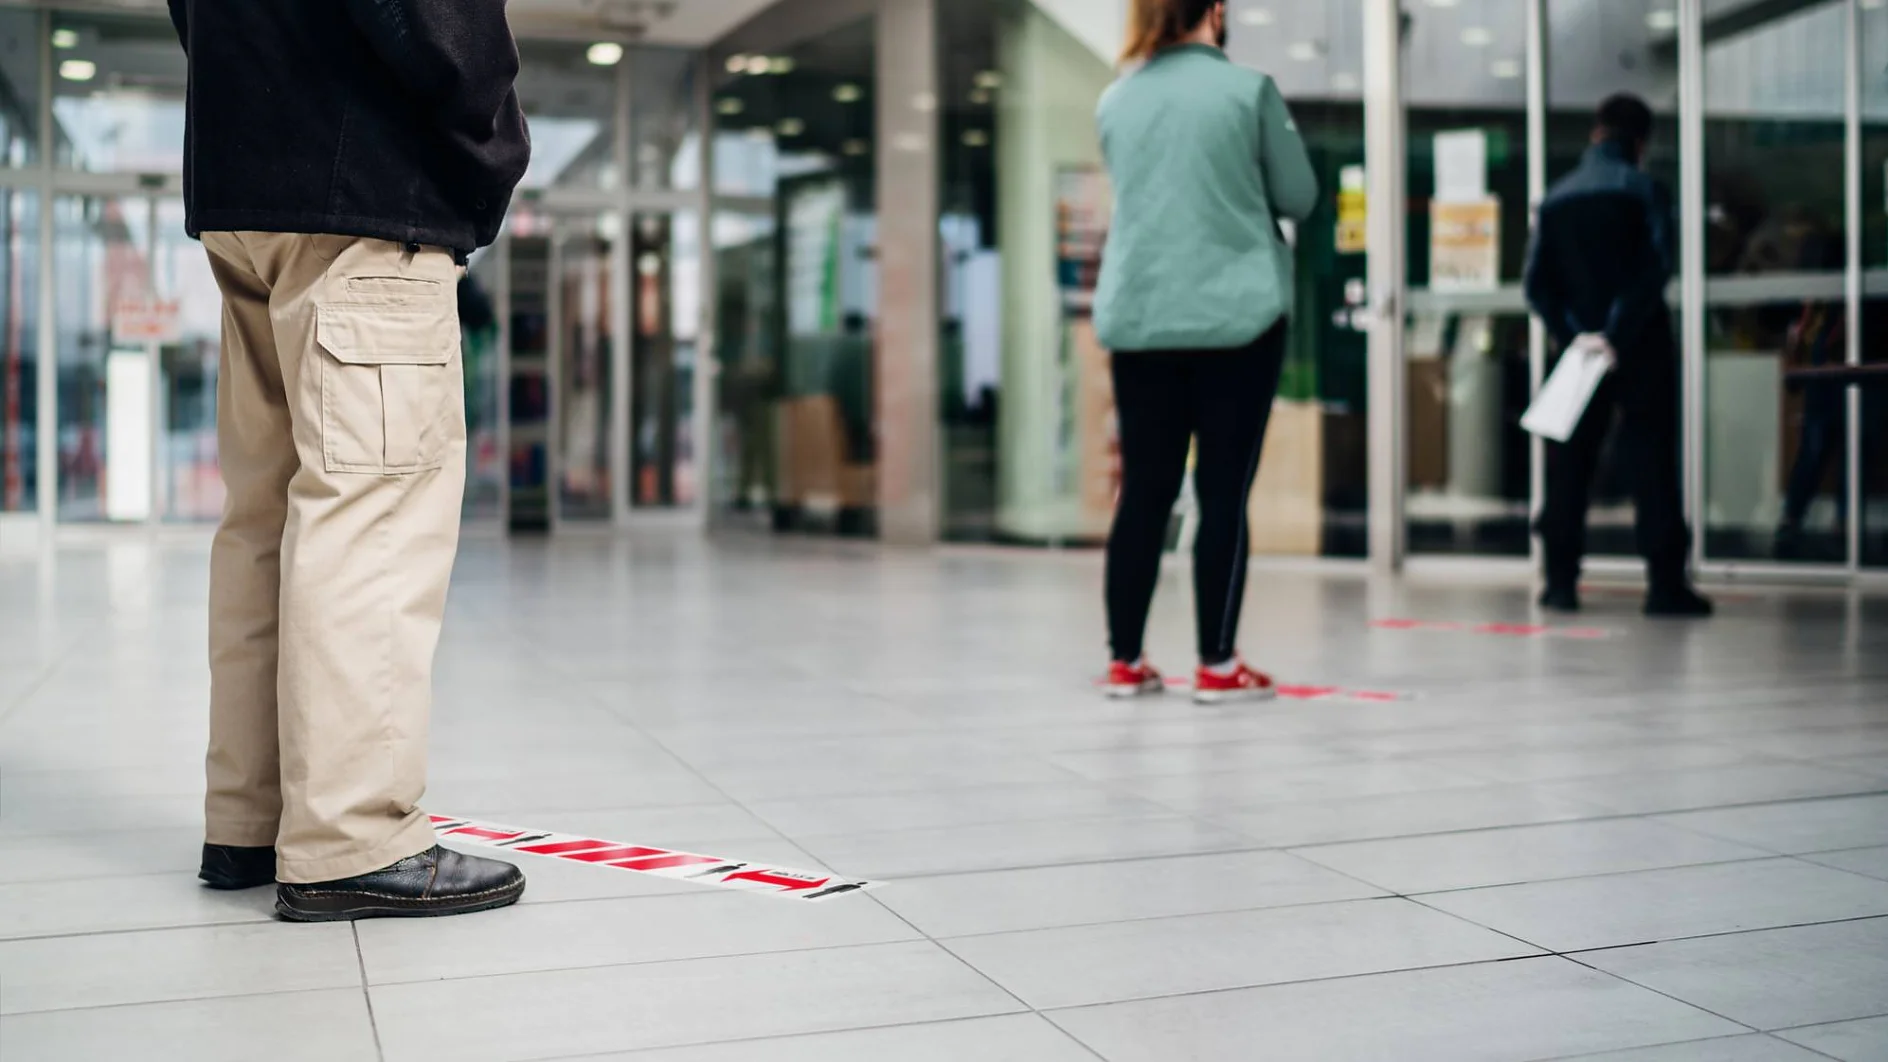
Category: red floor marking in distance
[736,874]
[1499,630]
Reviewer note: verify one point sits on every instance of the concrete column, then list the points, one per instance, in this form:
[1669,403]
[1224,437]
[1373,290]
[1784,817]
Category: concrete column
[905,367]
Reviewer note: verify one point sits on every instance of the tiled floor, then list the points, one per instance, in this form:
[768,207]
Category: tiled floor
[1666,844]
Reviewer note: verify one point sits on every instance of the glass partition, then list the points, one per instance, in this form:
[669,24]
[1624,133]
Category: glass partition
[118,94]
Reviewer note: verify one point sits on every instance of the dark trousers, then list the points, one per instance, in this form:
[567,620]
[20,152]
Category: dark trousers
[1165,400]
[1643,395]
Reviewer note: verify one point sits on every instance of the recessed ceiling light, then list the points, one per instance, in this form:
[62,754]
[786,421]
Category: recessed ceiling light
[790,127]
[848,93]
[1344,82]
[976,138]
[980,97]
[758,64]
[604,53]
[855,147]
[1505,69]
[1256,16]
[989,79]
[730,106]
[1445,3]
[737,64]
[65,38]
[78,70]
[1662,20]
[924,102]
[780,65]
[1303,51]
[1477,37]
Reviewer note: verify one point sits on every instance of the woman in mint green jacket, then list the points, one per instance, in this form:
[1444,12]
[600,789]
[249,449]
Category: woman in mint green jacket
[1196,284]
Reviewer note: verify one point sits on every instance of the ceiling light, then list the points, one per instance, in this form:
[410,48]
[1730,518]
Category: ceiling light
[737,64]
[1303,51]
[780,64]
[758,64]
[604,53]
[1445,3]
[848,93]
[855,147]
[65,38]
[980,97]
[730,106]
[78,70]
[1344,82]
[1662,20]
[1255,16]
[976,138]
[1477,37]
[924,102]
[790,127]
[989,79]
[1505,69]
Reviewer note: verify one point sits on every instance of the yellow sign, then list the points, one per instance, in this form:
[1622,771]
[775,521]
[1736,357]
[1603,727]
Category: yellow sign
[1353,221]
[1465,245]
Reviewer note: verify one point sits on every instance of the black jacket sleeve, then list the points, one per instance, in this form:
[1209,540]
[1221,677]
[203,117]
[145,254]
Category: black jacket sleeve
[1645,295]
[459,61]
[1545,288]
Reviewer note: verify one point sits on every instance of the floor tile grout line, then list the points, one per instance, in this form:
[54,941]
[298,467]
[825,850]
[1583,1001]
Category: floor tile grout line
[1621,978]
[367,993]
[613,1053]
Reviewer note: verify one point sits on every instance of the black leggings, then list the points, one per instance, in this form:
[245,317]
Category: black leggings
[1165,399]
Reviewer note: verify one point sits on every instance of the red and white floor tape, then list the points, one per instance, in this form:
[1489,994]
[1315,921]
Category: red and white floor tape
[656,862]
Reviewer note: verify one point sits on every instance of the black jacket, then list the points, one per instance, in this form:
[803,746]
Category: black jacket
[1602,256]
[393,119]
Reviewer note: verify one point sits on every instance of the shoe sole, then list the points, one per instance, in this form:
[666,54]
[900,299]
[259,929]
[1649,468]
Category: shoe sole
[353,906]
[1234,696]
[1128,693]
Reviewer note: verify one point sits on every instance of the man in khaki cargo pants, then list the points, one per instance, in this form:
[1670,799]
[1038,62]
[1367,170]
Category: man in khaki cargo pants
[342,157]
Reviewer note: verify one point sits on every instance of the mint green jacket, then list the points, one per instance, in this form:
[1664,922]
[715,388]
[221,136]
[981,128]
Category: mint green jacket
[1205,159]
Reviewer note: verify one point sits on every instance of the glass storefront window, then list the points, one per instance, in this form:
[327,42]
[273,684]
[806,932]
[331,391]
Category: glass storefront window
[798,127]
[1466,337]
[1774,488]
[19,87]
[19,350]
[664,135]
[1594,51]
[570,105]
[106,430]
[118,95]
[190,483]
[1873,423]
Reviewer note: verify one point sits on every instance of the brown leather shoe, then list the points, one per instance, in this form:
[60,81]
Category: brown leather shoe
[437,882]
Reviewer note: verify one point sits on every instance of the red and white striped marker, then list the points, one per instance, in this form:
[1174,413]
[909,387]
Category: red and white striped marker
[657,862]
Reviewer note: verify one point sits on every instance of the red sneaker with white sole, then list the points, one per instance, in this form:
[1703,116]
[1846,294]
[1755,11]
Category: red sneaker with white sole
[1132,680]
[1244,684]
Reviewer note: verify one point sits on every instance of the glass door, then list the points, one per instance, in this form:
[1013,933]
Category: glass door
[664,321]
[584,339]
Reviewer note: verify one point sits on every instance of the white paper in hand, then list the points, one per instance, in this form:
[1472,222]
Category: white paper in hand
[1557,410]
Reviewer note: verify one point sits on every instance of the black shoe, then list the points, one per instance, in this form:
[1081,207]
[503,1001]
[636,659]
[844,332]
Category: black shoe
[1678,602]
[229,867]
[438,881]
[1560,599]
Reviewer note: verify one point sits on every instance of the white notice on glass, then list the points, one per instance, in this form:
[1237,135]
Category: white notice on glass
[1557,410]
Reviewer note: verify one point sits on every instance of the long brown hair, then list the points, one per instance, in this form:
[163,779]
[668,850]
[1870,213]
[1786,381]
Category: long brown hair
[1157,24]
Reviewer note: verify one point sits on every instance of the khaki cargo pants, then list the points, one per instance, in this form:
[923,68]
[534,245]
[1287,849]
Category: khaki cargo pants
[341,426]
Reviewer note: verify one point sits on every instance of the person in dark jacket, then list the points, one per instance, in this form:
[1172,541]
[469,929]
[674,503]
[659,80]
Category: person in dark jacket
[1599,265]
[341,159]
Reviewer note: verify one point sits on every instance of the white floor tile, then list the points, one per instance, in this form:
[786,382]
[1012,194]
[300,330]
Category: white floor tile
[1490,1012]
[1773,979]
[1013,1038]
[330,1026]
[1203,953]
[1623,909]
[1850,1041]
[620,1008]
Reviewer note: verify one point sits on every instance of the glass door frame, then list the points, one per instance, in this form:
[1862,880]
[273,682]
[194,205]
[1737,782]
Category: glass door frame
[1386,152]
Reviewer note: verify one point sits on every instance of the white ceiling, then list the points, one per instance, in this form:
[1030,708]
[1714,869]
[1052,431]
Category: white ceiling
[691,23]
[688,23]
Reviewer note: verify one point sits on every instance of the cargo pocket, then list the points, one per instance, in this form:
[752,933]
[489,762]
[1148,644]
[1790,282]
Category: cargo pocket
[387,385]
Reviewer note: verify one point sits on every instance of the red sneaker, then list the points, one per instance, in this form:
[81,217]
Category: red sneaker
[1132,680]
[1244,684]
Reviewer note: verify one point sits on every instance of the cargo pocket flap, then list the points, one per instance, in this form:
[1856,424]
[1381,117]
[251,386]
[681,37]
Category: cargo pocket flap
[387,335]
